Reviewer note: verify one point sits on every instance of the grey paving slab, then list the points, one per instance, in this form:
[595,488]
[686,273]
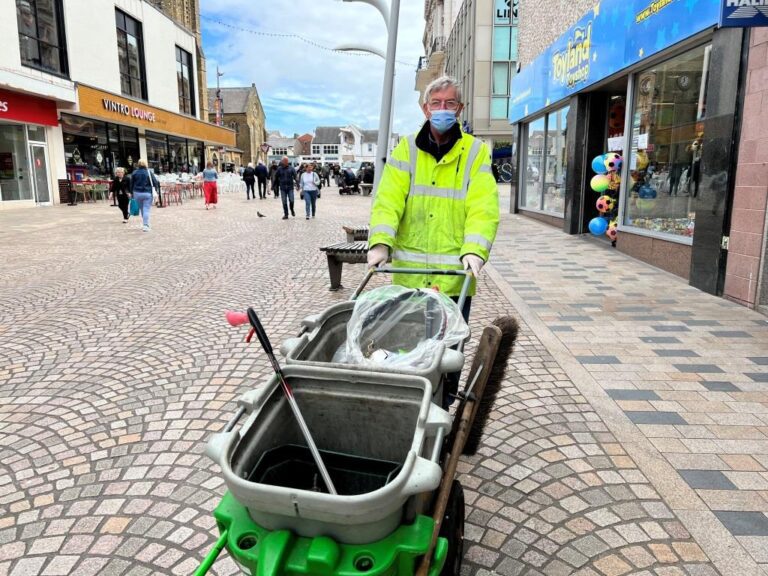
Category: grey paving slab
[633,394]
[744,523]
[719,386]
[679,353]
[757,376]
[655,417]
[759,360]
[707,479]
[699,368]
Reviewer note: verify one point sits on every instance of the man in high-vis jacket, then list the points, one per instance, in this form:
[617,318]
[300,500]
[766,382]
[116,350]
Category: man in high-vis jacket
[437,205]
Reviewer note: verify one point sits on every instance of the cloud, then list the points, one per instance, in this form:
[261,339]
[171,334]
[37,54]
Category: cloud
[303,85]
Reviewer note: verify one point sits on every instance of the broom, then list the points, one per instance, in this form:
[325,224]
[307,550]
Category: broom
[509,329]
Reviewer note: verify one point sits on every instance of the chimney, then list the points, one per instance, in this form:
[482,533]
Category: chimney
[253,84]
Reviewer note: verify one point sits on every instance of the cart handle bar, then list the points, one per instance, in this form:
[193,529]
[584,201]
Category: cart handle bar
[427,271]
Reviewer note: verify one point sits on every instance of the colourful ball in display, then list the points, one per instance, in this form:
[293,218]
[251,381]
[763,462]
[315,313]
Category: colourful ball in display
[598,164]
[612,233]
[605,204]
[613,162]
[600,183]
[642,160]
[598,226]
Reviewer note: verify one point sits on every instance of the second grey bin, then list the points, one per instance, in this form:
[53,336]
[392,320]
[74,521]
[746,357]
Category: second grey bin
[387,417]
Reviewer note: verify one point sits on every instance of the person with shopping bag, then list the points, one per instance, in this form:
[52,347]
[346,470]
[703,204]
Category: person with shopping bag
[142,184]
[210,185]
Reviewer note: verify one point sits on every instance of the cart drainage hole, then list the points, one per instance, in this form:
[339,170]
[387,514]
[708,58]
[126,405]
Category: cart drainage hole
[247,542]
[364,563]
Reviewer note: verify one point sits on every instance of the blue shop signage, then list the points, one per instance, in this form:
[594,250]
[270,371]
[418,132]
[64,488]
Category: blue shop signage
[613,35]
[744,13]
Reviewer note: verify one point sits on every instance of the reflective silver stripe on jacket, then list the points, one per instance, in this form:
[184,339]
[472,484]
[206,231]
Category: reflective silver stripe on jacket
[473,152]
[418,258]
[413,154]
[399,164]
[383,229]
[486,168]
[451,193]
[477,239]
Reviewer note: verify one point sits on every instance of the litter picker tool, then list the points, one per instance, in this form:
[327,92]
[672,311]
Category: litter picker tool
[236,319]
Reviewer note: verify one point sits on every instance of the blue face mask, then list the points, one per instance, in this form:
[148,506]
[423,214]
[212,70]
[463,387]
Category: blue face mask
[443,120]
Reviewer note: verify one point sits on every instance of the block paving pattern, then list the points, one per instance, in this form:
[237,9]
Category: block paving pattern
[116,366]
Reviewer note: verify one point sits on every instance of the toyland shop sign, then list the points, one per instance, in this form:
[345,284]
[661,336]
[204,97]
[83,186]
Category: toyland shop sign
[126,110]
[611,37]
[744,13]
[571,66]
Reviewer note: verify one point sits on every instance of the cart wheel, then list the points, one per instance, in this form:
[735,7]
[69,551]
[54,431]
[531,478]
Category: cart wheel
[452,529]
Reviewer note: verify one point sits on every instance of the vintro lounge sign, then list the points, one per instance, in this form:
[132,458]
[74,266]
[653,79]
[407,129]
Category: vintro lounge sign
[126,110]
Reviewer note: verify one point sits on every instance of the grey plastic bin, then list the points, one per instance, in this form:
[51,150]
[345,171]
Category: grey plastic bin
[328,330]
[366,414]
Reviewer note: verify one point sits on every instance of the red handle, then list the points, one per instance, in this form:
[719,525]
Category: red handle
[237,318]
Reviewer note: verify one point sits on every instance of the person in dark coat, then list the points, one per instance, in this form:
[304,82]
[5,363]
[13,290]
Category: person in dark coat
[273,179]
[261,176]
[249,177]
[286,181]
[120,190]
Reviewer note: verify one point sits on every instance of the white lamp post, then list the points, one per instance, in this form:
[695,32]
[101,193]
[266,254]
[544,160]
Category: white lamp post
[391,17]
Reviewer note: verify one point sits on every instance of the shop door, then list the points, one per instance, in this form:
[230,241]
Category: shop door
[40,173]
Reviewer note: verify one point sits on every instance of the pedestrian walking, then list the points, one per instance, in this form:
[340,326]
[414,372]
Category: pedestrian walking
[273,180]
[120,191]
[142,183]
[210,186]
[310,188]
[249,177]
[261,175]
[286,181]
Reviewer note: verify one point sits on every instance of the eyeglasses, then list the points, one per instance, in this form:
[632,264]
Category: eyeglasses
[443,104]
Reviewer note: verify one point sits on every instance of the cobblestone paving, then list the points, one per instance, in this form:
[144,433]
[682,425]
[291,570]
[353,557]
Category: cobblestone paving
[116,365]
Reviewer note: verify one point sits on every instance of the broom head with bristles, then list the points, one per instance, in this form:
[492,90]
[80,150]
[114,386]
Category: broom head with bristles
[509,329]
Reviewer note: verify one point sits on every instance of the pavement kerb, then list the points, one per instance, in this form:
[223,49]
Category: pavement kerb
[719,545]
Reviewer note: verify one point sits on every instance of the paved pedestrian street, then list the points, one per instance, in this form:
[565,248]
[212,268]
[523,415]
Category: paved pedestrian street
[631,435]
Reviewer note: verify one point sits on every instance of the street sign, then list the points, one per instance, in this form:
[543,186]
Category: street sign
[265,147]
[743,13]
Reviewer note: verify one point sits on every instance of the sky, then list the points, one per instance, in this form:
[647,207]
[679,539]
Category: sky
[302,86]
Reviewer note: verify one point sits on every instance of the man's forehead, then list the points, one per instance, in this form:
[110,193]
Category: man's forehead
[445,93]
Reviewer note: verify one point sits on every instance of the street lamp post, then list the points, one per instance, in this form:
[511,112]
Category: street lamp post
[391,17]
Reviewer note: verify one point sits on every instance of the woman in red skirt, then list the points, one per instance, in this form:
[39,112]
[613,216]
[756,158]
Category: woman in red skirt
[210,187]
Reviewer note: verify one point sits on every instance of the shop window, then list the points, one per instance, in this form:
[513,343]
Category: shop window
[532,184]
[186,84]
[41,35]
[130,50]
[666,144]
[554,175]
[543,186]
[157,152]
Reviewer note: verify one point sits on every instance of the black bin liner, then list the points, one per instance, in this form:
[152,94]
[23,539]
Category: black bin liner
[292,466]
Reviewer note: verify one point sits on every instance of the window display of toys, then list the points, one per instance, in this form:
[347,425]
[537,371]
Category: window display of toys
[613,230]
[598,226]
[598,164]
[605,204]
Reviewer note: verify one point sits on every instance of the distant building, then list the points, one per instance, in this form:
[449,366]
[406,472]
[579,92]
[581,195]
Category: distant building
[281,146]
[439,16]
[244,114]
[304,145]
[347,143]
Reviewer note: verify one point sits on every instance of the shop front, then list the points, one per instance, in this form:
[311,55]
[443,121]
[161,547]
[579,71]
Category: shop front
[109,131]
[25,177]
[654,85]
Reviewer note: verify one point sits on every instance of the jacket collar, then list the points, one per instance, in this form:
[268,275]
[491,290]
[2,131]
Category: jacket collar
[450,150]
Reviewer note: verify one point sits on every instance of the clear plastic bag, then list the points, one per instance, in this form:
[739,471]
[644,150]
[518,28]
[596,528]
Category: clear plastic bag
[401,327]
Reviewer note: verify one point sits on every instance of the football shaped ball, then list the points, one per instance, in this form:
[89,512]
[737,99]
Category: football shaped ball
[605,204]
[613,162]
[613,230]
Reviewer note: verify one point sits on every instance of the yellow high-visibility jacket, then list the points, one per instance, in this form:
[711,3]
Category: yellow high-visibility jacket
[432,213]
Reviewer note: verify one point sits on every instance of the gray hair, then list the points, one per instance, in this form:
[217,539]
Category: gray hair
[250,164]
[120,170]
[442,83]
